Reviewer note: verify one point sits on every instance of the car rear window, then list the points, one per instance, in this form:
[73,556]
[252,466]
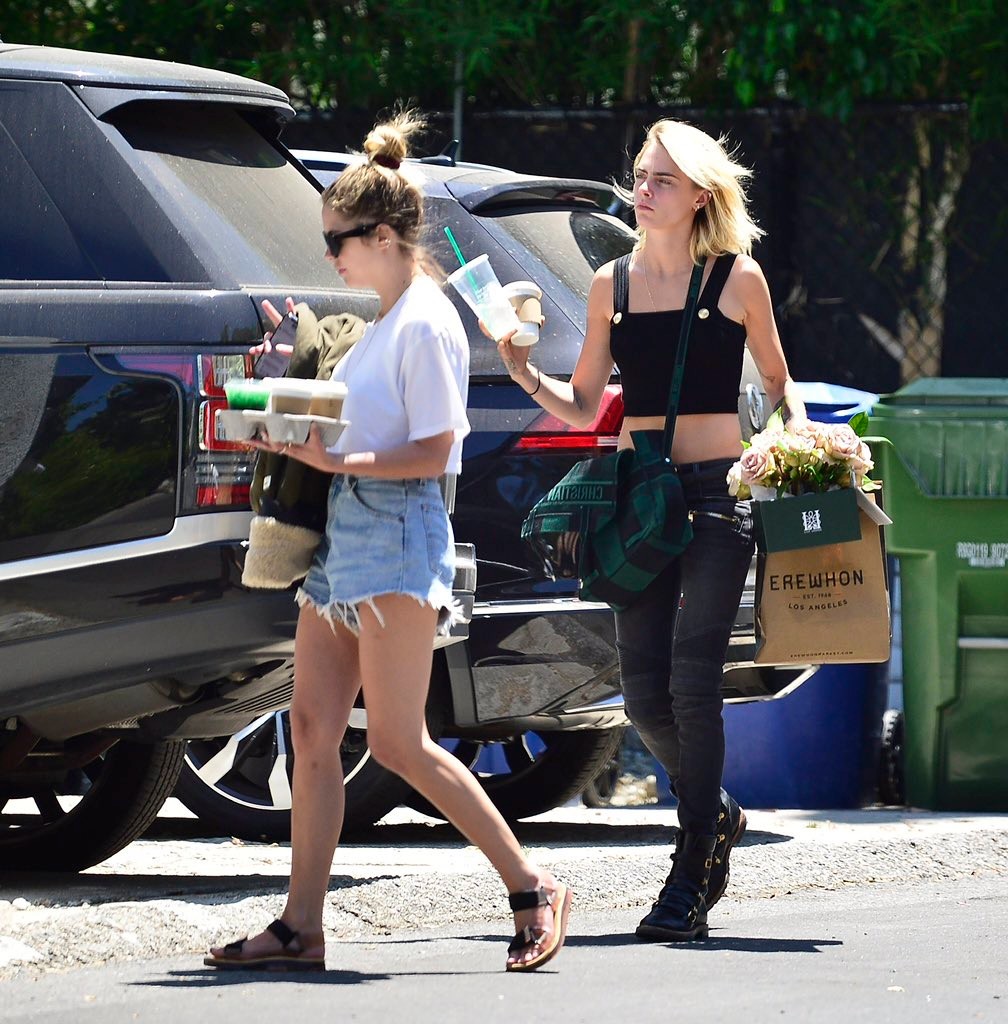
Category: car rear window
[71,210]
[240,193]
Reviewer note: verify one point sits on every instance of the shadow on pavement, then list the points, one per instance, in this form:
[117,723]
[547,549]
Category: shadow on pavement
[555,834]
[209,977]
[713,944]
[558,834]
[76,890]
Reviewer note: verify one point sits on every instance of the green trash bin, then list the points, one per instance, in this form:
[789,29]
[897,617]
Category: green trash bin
[942,454]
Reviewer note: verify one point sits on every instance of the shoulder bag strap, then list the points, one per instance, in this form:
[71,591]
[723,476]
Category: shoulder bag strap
[689,312]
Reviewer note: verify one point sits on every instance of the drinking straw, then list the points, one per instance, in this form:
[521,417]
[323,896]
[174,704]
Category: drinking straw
[461,258]
[454,245]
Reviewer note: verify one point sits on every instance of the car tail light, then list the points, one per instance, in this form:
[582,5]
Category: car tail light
[547,433]
[215,473]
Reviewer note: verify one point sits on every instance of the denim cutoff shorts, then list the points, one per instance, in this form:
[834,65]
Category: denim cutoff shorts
[382,537]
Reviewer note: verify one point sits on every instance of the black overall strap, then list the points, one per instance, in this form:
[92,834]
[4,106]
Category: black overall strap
[677,374]
[621,285]
[711,294]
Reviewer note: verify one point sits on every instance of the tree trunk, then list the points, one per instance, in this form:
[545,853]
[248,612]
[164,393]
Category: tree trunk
[928,206]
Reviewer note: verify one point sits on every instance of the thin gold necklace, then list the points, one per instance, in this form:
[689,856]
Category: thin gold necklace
[654,305]
[654,308]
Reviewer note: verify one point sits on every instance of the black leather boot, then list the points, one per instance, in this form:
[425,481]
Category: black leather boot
[680,913]
[731,825]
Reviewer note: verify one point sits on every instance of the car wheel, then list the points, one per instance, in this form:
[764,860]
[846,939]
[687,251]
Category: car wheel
[599,791]
[83,818]
[891,783]
[531,772]
[241,784]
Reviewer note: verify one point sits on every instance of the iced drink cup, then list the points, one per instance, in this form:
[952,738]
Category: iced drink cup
[331,408]
[244,393]
[526,300]
[302,396]
[478,285]
[288,398]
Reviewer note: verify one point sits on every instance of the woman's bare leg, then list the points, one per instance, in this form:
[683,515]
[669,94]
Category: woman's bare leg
[395,664]
[326,682]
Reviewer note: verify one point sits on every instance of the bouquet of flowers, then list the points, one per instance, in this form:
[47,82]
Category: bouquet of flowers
[814,457]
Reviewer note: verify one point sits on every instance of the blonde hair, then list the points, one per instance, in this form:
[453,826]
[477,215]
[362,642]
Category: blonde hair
[723,224]
[377,190]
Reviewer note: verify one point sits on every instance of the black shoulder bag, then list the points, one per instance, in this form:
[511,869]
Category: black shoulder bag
[616,521]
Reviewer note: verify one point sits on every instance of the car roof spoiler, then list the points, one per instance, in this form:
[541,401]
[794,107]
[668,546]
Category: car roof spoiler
[482,193]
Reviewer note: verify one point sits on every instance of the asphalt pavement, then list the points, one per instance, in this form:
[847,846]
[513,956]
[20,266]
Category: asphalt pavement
[880,915]
[901,953]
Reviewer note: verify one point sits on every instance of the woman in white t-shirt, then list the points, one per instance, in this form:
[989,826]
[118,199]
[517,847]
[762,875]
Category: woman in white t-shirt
[381,583]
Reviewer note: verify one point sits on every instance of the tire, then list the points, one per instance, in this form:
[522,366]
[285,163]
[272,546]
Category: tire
[599,792]
[891,781]
[121,793]
[241,784]
[543,770]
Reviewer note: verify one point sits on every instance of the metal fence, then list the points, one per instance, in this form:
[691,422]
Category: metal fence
[884,231]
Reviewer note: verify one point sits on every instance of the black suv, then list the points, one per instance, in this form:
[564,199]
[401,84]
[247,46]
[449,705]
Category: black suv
[530,701]
[148,209]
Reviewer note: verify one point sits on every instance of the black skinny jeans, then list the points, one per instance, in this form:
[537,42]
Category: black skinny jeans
[673,639]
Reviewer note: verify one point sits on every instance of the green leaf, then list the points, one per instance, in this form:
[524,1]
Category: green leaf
[776,421]
[859,423]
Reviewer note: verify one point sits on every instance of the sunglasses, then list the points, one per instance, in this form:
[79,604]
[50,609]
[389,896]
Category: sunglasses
[334,239]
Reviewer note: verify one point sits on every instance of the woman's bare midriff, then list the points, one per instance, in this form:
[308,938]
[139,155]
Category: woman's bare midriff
[697,438]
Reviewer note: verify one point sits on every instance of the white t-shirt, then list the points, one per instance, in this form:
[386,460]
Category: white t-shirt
[407,376]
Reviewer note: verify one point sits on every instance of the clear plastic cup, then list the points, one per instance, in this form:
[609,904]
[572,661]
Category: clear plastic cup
[478,285]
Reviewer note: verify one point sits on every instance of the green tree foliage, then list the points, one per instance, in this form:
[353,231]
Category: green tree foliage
[827,56]
[830,56]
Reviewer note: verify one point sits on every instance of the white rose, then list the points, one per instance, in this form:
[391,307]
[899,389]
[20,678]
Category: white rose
[736,488]
[861,462]
[840,443]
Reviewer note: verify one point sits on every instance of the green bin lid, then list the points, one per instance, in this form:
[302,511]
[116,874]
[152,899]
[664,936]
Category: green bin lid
[951,433]
[971,391]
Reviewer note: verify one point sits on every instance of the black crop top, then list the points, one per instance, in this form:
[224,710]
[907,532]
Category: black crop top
[643,346]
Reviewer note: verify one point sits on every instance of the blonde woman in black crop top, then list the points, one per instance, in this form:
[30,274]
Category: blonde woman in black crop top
[690,206]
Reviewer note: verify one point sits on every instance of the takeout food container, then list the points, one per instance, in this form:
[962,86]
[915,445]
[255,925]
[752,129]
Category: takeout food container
[279,427]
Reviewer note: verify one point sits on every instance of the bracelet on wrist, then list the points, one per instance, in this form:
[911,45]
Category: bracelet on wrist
[538,381]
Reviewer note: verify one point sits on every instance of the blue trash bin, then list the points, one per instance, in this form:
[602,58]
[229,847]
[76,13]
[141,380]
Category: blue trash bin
[833,403]
[815,748]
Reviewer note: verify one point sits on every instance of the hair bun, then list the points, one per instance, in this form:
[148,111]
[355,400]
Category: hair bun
[387,144]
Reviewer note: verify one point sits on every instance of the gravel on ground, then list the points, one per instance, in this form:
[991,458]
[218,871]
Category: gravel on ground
[179,890]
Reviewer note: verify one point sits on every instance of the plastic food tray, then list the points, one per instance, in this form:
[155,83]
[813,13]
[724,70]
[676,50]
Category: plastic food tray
[279,427]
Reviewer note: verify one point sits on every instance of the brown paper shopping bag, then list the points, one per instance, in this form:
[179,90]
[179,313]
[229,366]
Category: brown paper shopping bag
[822,604]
